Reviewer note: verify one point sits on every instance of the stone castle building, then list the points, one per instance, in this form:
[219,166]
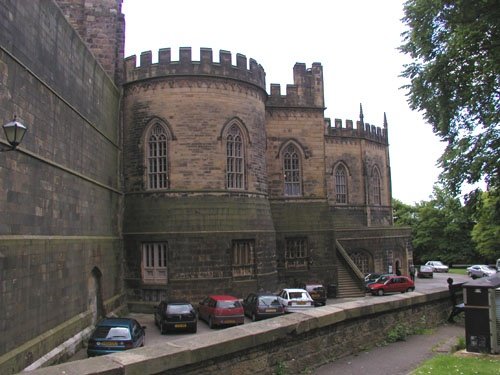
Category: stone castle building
[139,181]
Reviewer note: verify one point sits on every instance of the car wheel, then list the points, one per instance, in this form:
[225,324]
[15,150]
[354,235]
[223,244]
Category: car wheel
[254,318]
[210,323]
[162,328]
[194,329]
[380,292]
[410,289]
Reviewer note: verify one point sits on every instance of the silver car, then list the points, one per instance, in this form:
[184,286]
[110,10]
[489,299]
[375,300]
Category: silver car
[480,270]
[437,266]
[295,300]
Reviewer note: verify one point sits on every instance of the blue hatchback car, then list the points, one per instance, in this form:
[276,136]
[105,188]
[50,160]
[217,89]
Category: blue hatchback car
[113,335]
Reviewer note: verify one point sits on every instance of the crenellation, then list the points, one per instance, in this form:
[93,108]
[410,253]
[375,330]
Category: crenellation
[206,56]
[292,91]
[362,130]
[185,55]
[306,90]
[146,58]
[254,66]
[186,66]
[241,61]
[225,58]
[275,89]
[164,56]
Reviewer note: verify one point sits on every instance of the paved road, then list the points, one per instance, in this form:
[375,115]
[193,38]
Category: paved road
[153,335]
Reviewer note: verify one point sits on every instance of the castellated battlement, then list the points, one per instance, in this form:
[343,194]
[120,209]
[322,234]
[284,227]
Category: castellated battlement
[254,73]
[361,130]
[306,91]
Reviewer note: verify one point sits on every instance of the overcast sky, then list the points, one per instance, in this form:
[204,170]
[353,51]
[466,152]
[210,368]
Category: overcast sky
[355,40]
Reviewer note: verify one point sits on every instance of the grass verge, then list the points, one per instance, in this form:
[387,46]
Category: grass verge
[453,364]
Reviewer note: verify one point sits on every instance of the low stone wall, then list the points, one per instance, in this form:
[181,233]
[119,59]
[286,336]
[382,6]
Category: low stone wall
[289,344]
[42,346]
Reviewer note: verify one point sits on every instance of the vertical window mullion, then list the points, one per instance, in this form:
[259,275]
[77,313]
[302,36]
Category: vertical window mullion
[235,159]
[157,163]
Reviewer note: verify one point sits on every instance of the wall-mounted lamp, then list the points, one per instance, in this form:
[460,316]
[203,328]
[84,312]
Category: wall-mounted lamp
[14,132]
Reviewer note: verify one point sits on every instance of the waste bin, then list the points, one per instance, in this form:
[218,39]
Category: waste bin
[482,314]
[331,290]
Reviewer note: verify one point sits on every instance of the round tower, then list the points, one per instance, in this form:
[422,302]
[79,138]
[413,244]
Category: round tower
[195,175]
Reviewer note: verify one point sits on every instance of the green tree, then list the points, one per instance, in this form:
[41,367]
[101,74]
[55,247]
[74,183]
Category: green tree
[443,230]
[455,82]
[404,214]
[486,231]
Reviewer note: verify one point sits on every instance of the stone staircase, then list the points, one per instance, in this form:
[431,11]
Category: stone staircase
[348,286]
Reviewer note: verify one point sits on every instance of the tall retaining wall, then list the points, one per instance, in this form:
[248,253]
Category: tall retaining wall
[294,343]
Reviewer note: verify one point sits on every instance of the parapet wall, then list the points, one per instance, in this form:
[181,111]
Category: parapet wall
[307,90]
[292,343]
[253,74]
[362,130]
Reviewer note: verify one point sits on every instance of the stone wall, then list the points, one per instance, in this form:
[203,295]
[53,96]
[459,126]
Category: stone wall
[310,220]
[101,25]
[60,241]
[303,128]
[199,231]
[293,343]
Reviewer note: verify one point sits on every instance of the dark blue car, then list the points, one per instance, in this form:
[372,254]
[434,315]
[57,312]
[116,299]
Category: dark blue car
[113,335]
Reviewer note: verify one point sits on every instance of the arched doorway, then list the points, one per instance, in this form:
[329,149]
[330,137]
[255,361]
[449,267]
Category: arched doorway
[397,267]
[95,303]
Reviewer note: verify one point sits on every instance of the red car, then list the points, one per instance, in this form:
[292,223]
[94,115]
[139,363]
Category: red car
[392,284]
[219,310]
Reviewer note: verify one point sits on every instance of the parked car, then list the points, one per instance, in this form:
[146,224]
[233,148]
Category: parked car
[317,292]
[498,265]
[425,271]
[480,270]
[437,266]
[221,310]
[369,277]
[113,335]
[392,284]
[295,299]
[382,278]
[176,316]
[258,306]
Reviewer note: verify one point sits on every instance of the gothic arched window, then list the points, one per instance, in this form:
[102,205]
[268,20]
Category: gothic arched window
[341,184]
[235,159]
[291,169]
[376,181]
[361,260]
[157,158]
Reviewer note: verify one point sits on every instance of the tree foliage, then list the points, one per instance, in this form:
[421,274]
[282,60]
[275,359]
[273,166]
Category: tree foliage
[441,229]
[404,215]
[486,231]
[455,81]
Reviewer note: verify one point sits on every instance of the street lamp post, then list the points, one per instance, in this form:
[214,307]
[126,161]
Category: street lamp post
[14,132]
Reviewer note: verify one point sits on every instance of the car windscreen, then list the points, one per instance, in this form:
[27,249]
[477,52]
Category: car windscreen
[269,300]
[318,289]
[228,304]
[112,333]
[297,295]
[179,309]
